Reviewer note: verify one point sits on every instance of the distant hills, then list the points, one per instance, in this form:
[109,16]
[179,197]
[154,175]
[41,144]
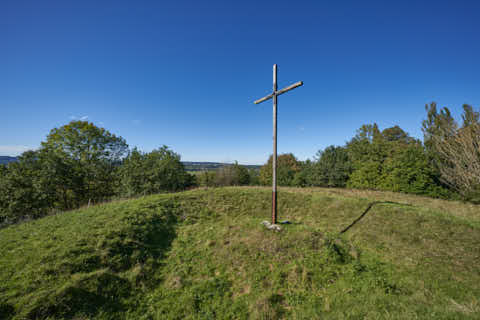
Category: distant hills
[189,165]
[7,159]
[199,166]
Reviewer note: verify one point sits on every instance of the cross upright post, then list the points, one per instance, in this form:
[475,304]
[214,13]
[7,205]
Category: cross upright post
[274,96]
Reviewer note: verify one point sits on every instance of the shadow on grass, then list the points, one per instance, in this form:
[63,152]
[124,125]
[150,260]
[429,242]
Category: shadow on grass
[7,311]
[85,298]
[124,263]
[369,207]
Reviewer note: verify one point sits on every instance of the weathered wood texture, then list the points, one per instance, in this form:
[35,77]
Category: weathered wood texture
[274,95]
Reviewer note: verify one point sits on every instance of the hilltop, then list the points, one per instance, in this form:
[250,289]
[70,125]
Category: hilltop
[203,254]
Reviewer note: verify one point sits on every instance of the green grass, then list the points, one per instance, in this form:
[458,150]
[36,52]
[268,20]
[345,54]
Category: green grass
[203,254]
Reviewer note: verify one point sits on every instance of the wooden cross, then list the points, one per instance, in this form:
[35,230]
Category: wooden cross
[274,95]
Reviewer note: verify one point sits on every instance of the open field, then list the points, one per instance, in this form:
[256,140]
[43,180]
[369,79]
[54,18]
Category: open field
[203,254]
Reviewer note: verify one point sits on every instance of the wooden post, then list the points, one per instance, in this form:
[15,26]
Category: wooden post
[274,96]
[274,157]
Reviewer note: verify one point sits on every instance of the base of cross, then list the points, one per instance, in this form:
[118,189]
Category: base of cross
[270,226]
[274,227]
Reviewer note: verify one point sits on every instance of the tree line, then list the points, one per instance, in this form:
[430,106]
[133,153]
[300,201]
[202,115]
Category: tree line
[445,165]
[80,163]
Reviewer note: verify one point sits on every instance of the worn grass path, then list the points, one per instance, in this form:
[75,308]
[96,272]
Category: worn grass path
[203,254]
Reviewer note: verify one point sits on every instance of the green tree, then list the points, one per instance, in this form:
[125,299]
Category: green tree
[287,168]
[206,178]
[154,172]
[83,159]
[396,134]
[305,176]
[254,177]
[367,151]
[409,171]
[366,145]
[232,175]
[25,189]
[366,176]
[331,168]
[241,175]
[392,160]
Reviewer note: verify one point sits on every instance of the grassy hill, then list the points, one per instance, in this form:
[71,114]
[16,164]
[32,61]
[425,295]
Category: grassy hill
[203,254]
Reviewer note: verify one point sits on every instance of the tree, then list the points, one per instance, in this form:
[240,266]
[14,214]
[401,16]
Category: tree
[225,176]
[287,167]
[232,175]
[241,175]
[154,172]
[206,178]
[305,177]
[332,167]
[366,176]
[455,149]
[392,160]
[83,159]
[25,189]
[409,170]
[254,177]
[396,134]
[367,151]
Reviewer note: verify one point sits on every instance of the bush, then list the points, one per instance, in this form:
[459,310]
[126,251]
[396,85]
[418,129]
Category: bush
[332,168]
[154,172]
[287,167]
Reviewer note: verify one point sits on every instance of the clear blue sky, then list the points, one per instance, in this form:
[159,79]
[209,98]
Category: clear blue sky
[186,73]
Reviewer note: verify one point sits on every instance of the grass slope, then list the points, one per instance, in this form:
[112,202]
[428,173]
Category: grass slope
[203,254]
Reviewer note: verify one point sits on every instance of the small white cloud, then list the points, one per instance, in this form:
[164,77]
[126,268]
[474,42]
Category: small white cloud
[13,150]
[101,123]
[136,122]
[81,118]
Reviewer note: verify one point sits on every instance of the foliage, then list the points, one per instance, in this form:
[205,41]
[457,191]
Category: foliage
[410,171]
[232,175]
[241,175]
[80,163]
[205,178]
[228,175]
[254,176]
[331,168]
[203,254]
[392,160]
[208,166]
[304,177]
[25,189]
[154,172]
[455,149]
[83,159]
[287,167]
[366,176]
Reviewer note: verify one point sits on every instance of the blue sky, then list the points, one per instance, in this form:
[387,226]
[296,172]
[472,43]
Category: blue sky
[186,73]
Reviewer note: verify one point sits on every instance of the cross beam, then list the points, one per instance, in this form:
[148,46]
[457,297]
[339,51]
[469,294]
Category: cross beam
[274,96]
[279,92]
